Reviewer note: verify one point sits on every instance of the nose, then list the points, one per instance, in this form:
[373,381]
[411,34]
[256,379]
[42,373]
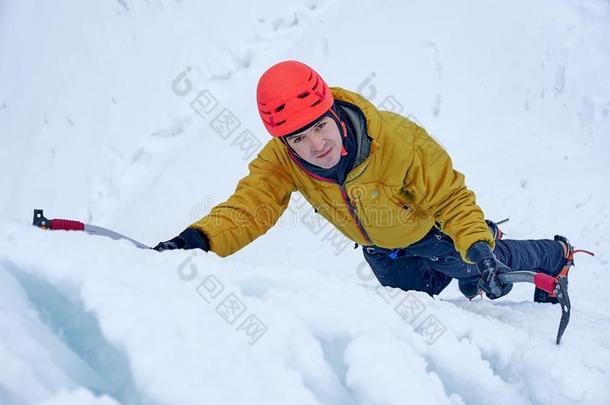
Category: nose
[317,142]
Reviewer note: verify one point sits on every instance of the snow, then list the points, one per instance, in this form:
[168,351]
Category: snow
[79,396]
[97,124]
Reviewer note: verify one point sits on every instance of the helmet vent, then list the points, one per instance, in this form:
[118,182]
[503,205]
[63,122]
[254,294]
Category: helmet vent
[289,95]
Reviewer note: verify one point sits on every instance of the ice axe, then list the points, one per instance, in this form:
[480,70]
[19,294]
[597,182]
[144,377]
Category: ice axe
[556,286]
[71,225]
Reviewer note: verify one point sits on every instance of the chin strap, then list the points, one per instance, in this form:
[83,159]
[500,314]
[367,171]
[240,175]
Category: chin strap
[341,124]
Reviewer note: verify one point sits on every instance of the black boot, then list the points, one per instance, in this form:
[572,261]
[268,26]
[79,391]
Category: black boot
[568,262]
[469,287]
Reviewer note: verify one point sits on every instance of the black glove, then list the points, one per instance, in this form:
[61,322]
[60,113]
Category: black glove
[188,239]
[489,266]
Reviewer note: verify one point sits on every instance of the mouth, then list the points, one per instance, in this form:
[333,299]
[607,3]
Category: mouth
[323,155]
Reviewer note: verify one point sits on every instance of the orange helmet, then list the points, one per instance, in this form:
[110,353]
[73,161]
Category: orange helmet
[290,95]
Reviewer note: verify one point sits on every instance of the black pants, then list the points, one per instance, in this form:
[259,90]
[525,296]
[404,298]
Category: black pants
[430,264]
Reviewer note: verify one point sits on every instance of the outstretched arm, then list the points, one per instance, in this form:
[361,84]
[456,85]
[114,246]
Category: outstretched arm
[257,203]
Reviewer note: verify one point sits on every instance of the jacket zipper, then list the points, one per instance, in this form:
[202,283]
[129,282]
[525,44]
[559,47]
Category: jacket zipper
[353,213]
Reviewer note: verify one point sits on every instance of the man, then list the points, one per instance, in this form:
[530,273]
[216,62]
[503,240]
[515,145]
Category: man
[381,180]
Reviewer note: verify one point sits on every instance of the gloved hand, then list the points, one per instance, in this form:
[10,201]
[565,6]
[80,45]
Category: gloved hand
[188,239]
[489,266]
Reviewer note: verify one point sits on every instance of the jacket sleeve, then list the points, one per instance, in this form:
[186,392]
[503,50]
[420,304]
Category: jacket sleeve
[257,203]
[441,191]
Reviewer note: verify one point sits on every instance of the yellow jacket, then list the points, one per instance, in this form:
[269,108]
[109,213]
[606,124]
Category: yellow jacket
[404,187]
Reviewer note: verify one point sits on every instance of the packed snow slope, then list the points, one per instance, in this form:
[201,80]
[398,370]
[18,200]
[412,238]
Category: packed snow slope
[109,114]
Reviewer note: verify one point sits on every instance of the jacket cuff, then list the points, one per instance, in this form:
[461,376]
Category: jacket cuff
[195,239]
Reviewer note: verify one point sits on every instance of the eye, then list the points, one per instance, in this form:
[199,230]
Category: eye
[296,139]
[321,125]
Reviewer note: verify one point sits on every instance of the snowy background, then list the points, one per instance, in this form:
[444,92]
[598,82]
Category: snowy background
[107,115]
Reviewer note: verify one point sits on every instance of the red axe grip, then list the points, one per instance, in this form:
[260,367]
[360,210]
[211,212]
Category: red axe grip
[67,225]
[545,282]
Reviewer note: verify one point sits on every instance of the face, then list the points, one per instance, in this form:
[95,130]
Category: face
[319,145]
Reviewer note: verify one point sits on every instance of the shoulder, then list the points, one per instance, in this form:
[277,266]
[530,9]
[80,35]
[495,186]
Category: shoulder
[273,154]
[381,124]
[399,132]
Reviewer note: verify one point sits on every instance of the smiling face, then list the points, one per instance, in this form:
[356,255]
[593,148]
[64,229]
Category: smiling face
[319,145]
